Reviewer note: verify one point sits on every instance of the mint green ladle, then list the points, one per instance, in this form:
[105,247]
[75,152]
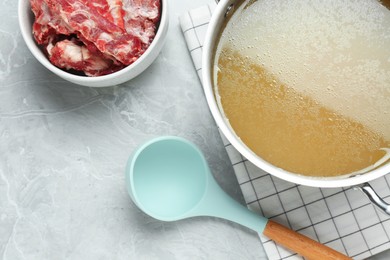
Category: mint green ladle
[169,179]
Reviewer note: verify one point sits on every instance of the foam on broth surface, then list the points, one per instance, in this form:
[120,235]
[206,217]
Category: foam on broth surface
[306,84]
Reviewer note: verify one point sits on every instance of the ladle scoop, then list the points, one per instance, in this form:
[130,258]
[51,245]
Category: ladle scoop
[169,179]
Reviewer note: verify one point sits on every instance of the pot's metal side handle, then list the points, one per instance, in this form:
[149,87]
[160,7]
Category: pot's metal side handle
[373,196]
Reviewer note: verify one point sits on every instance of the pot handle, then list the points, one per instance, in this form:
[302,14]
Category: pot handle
[374,198]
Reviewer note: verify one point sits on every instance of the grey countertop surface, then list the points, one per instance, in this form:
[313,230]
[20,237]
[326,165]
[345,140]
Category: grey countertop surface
[63,151]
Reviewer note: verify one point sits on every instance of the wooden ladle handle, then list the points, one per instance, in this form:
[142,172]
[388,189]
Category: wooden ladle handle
[304,246]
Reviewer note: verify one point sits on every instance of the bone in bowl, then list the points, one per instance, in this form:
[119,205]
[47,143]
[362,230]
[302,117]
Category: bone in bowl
[125,73]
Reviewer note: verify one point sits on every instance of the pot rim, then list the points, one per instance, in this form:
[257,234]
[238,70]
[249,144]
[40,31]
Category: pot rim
[207,60]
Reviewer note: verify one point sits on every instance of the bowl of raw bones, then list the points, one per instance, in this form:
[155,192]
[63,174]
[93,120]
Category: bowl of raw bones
[94,43]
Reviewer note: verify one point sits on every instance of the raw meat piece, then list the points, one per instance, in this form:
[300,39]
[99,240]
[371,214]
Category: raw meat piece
[111,9]
[69,54]
[140,16]
[148,9]
[111,33]
[110,38]
[47,23]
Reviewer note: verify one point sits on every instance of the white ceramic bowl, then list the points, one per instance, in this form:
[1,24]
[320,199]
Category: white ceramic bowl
[26,18]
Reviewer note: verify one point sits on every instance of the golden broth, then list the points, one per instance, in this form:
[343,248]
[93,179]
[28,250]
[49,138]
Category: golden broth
[323,109]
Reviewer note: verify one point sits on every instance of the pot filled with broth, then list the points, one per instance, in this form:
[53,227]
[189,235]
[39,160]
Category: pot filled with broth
[302,88]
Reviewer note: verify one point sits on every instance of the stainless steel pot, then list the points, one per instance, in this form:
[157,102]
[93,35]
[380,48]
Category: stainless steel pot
[222,11]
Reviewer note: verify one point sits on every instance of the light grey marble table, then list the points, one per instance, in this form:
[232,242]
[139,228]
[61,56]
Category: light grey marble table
[63,150]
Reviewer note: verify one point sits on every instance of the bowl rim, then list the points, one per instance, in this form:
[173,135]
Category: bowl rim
[228,132]
[25,24]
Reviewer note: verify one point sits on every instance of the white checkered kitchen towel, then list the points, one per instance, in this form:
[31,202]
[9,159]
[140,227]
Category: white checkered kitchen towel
[341,218]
